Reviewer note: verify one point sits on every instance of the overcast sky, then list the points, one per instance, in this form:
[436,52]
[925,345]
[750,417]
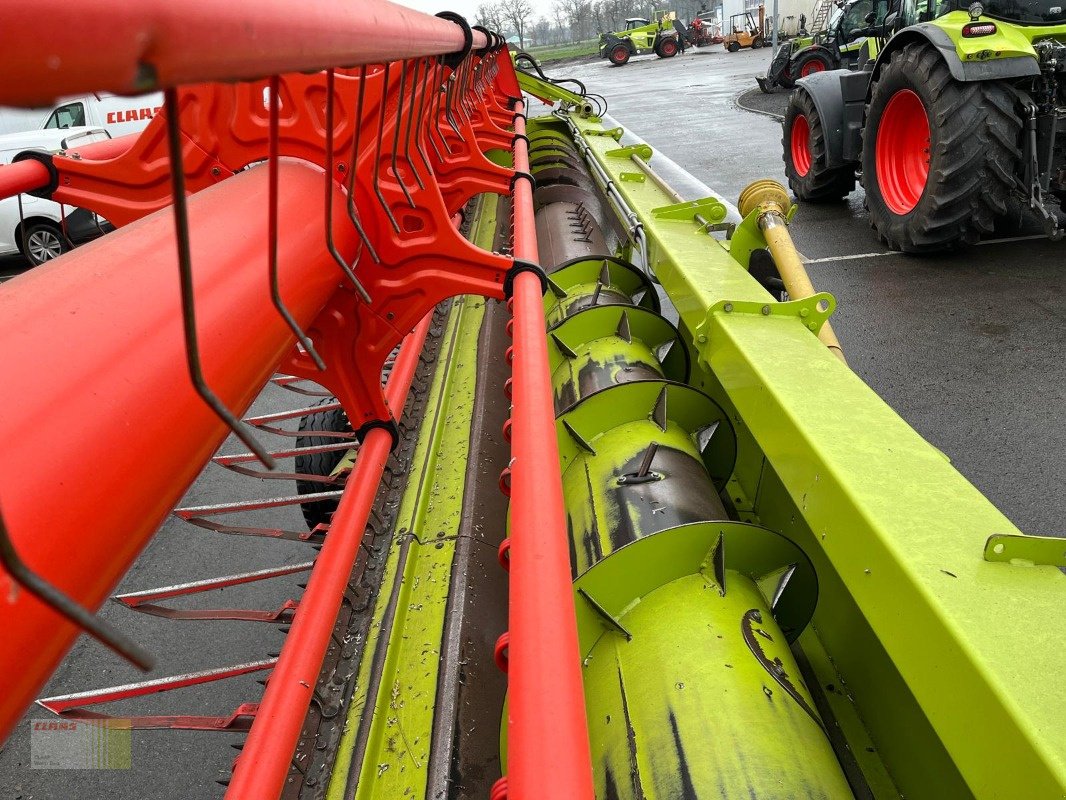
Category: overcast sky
[464,7]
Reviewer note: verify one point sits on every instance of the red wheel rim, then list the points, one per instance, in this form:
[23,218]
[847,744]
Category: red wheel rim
[619,54]
[902,156]
[669,47]
[812,66]
[801,145]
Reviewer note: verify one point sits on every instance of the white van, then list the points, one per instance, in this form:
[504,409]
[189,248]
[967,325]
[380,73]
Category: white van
[116,115]
[41,230]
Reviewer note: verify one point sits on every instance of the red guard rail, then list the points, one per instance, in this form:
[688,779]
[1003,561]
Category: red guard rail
[160,43]
[545,698]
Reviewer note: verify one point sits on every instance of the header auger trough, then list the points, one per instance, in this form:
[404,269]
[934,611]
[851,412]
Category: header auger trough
[591,513]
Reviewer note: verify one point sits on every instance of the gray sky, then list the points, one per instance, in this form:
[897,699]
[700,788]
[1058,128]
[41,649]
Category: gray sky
[464,7]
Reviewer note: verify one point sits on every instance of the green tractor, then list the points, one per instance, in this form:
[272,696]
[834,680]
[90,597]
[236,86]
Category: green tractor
[663,36]
[839,45]
[953,127]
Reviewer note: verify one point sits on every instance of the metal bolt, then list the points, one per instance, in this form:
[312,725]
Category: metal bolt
[702,339]
[766,311]
[728,308]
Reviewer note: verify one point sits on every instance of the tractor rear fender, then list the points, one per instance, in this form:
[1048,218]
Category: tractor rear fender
[988,70]
[839,96]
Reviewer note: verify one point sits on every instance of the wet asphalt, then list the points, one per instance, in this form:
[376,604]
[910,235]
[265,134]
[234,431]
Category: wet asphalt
[970,349]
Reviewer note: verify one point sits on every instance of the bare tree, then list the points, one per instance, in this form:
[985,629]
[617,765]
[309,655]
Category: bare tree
[518,13]
[491,16]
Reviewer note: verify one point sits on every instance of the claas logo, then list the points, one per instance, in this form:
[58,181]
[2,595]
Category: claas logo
[131,114]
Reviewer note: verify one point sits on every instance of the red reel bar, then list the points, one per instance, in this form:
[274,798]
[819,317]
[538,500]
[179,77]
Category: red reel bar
[22,176]
[547,734]
[157,43]
[80,510]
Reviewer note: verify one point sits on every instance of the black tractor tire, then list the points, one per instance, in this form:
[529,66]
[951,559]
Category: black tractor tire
[972,153]
[756,44]
[805,153]
[732,47]
[320,463]
[812,61]
[667,48]
[619,55]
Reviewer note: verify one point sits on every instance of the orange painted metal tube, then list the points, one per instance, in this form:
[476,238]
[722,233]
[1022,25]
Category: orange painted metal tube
[22,176]
[93,343]
[157,43]
[547,733]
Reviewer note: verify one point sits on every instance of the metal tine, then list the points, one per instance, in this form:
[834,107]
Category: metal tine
[466,102]
[267,428]
[326,480]
[420,138]
[291,413]
[188,513]
[416,92]
[72,706]
[147,601]
[314,537]
[48,594]
[289,382]
[377,150]
[188,302]
[439,90]
[396,133]
[347,269]
[449,103]
[353,167]
[134,599]
[23,228]
[241,458]
[235,463]
[272,228]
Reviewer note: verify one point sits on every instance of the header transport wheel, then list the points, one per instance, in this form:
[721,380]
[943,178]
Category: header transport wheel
[806,162]
[938,155]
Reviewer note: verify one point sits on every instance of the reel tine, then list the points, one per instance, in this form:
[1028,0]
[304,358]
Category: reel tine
[352,215]
[438,92]
[188,302]
[377,151]
[423,106]
[449,103]
[345,267]
[396,133]
[416,93]
[272,230]
[48,594]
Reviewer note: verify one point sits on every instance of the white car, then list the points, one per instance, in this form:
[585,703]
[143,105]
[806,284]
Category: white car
[40,229]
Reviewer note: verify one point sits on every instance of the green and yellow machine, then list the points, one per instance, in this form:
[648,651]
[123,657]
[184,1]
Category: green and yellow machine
[663,35]
[839,45]
[955,127]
